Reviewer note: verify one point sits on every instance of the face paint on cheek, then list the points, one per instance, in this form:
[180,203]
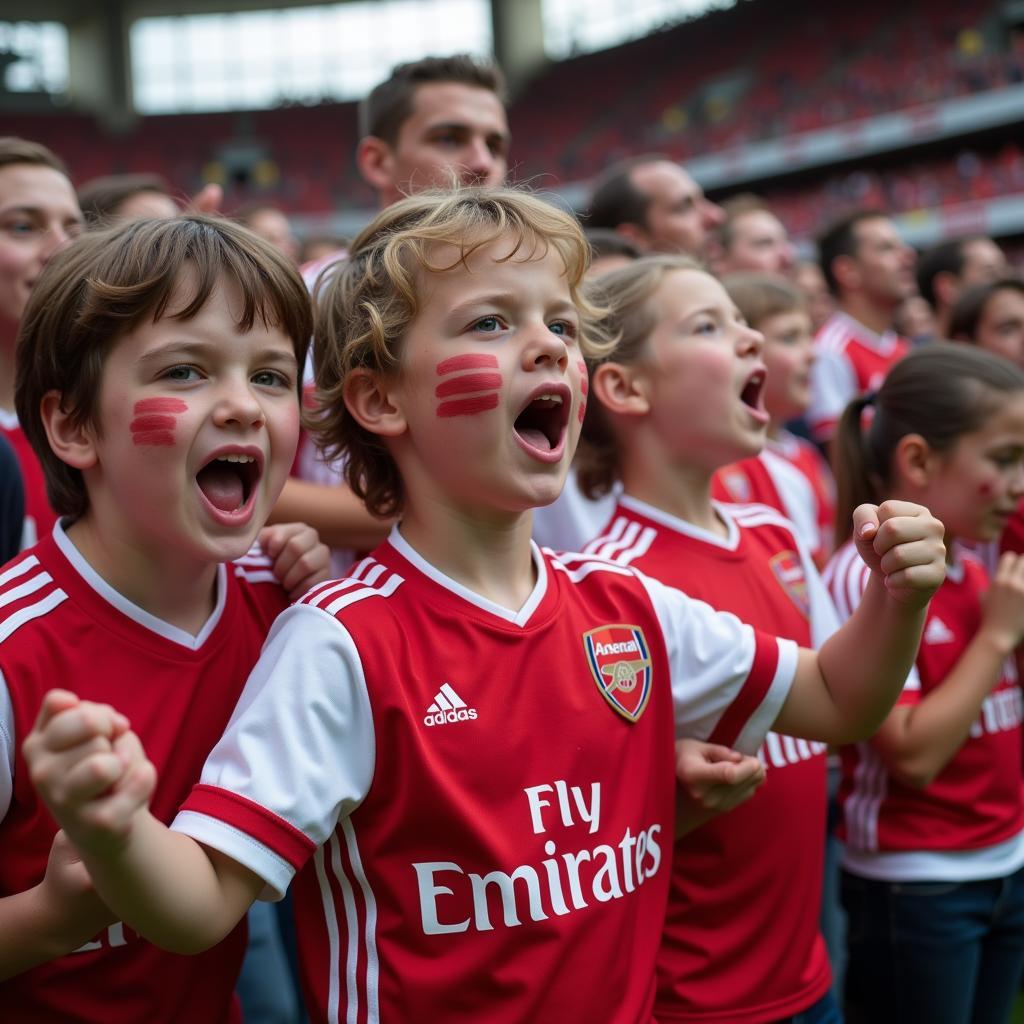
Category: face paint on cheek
[154,421]
[584,389]
[986,489]
[467,384]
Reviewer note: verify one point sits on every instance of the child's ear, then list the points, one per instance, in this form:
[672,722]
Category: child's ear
[369,399]
[914,461]
[620,389]
[374,160]
[71,442]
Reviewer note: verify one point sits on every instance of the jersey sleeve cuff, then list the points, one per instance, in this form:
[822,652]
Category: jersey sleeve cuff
[759,724]
[247,833]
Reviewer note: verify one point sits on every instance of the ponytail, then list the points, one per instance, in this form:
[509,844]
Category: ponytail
[941,391]
[856,477]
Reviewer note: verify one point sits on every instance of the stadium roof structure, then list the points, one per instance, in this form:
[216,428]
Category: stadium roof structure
[100,60]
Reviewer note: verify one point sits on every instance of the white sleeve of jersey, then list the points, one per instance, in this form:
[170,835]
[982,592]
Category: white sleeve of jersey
[7,748]
[711,657]
[300,743]
[845,577]
[833,385]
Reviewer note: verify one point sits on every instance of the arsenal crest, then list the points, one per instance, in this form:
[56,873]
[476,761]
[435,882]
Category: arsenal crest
[620,663]
[789,571]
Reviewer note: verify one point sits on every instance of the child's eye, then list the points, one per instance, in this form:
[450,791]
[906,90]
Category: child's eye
[705,327]
[271,379]
[20,228]
[487,325]
[183,372]
[565,328]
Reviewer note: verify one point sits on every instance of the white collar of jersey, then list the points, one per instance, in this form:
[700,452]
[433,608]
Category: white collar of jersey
[517,618]
[133,611]
[8,419]
[881,343]
[728,543]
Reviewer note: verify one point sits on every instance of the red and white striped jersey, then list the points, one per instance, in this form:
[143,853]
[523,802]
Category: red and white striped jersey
[850,359]
[741,940]
[478,802]
[791,476]
[62,625]
[39,516]
[968,822]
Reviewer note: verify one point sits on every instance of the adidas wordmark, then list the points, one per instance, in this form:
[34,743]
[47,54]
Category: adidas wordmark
[448,707]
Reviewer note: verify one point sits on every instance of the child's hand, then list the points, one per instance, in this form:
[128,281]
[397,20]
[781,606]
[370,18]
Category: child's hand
[89,768]
[902,543]
[1002,614]
[714,777]
[67,889]
[300,559]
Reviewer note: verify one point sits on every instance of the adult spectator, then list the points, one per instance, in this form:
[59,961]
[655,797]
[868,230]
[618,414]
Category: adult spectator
[39,214]
[870,271]
[654,204]
[119,197]
[992,317]
[944,271]
[272,225]
[434,122]
[752,238]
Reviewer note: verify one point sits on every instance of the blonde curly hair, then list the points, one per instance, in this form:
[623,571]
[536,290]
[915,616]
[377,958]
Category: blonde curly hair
[364,310]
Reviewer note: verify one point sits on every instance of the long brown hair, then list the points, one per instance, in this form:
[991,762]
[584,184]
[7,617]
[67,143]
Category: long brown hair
[941,391]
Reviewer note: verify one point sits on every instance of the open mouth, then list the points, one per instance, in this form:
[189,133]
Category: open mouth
[752,395]
[540,427]
[228,481]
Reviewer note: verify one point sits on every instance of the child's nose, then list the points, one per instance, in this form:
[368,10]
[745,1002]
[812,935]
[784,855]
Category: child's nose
[238,406]
[545,346]
[751,341]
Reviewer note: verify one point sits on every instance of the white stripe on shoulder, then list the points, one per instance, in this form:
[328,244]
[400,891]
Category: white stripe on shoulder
[377,581]
[18,569]
[33,611]
[589,566]
[260,576]
[624,542]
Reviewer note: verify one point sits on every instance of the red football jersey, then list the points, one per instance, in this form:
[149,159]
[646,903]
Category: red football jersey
[741,939]
[976,802]
[479,802]
[61,624]
[39,517]
[791,476]
[850,359]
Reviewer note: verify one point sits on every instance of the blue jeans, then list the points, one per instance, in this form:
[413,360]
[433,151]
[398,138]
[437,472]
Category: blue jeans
[824,1011]
[934,952]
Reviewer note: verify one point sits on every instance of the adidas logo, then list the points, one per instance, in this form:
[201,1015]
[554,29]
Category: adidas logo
[448,707]
[937,632]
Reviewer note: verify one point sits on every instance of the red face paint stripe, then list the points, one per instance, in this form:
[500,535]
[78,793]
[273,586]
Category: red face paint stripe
[582,411]
[154,437]
[470,362]
[159,405]
[143,424]
[584,386]
[467,406]
[469,382]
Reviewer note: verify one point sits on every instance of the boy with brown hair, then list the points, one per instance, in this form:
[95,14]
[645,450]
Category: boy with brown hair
[158,383]
[464,751]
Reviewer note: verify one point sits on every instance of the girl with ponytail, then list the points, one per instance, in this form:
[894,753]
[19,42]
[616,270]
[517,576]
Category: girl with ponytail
[933,871]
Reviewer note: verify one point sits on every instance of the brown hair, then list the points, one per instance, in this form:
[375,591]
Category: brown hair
[364,310]
[840,239]
[389,105]
[101,198]
[628,323]
[970,307]
[760,296]
[615,199]
[106,284]
[940,391]
[21,151]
